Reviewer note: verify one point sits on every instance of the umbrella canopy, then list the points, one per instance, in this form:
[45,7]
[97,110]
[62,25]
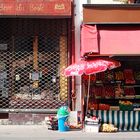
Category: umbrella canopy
[90,67]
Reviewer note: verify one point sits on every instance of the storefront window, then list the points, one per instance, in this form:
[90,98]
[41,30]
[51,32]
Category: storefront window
[30,63]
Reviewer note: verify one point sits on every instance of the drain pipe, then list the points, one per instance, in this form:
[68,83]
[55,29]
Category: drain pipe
[78,19]
[73,93]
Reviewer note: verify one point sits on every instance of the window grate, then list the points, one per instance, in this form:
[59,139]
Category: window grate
[33,53]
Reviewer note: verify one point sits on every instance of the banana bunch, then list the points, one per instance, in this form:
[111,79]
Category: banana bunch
[125,103]
[108,128]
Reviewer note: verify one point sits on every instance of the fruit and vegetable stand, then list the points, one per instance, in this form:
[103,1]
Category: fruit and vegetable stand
[115,95]
[123,120]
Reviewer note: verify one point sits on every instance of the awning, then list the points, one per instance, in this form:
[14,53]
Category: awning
[89,41]
[112,40]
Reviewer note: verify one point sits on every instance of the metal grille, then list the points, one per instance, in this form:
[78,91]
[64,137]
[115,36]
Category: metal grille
[32,55]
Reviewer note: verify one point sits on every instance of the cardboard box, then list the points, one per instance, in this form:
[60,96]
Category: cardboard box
[74,118]
[92,128]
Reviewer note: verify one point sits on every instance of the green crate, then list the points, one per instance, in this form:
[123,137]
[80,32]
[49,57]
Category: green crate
[126,107]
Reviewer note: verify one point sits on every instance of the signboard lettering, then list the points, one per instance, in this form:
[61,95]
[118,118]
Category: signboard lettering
[20,7]
[38,8]
[59,6]
[35,7]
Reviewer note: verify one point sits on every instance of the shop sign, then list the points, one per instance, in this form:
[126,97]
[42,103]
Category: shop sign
[36,7]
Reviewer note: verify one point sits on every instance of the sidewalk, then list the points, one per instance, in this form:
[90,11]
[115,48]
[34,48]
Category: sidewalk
[40,132]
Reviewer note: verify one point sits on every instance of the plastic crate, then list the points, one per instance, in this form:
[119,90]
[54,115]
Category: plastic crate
[126,107]
[92,128]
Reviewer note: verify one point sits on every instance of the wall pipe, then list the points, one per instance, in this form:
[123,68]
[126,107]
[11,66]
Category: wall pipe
[73,93]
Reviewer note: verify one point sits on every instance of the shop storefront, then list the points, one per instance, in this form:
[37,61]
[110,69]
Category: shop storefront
[35,42]
[114,94]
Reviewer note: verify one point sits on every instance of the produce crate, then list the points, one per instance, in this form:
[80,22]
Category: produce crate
[91,123]
[126,107]
[92,128]
[51,122]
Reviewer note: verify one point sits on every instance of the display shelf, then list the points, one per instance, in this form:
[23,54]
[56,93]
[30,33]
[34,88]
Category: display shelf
[107,82]
[124,98]
[122,84]
[131,85]
[137,97]
[119,88]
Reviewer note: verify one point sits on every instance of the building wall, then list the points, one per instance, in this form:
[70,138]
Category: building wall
[78,21]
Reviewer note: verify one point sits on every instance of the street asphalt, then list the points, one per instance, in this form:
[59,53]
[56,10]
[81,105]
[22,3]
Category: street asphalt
[40,132]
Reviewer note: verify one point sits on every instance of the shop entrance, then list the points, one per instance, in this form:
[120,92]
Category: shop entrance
[32,55]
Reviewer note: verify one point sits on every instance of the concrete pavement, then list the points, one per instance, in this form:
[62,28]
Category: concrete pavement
[40,132]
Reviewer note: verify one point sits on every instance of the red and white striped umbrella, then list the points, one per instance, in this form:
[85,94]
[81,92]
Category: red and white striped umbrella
[90,67]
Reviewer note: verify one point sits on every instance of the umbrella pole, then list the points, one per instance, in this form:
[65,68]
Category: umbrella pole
[88,95]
